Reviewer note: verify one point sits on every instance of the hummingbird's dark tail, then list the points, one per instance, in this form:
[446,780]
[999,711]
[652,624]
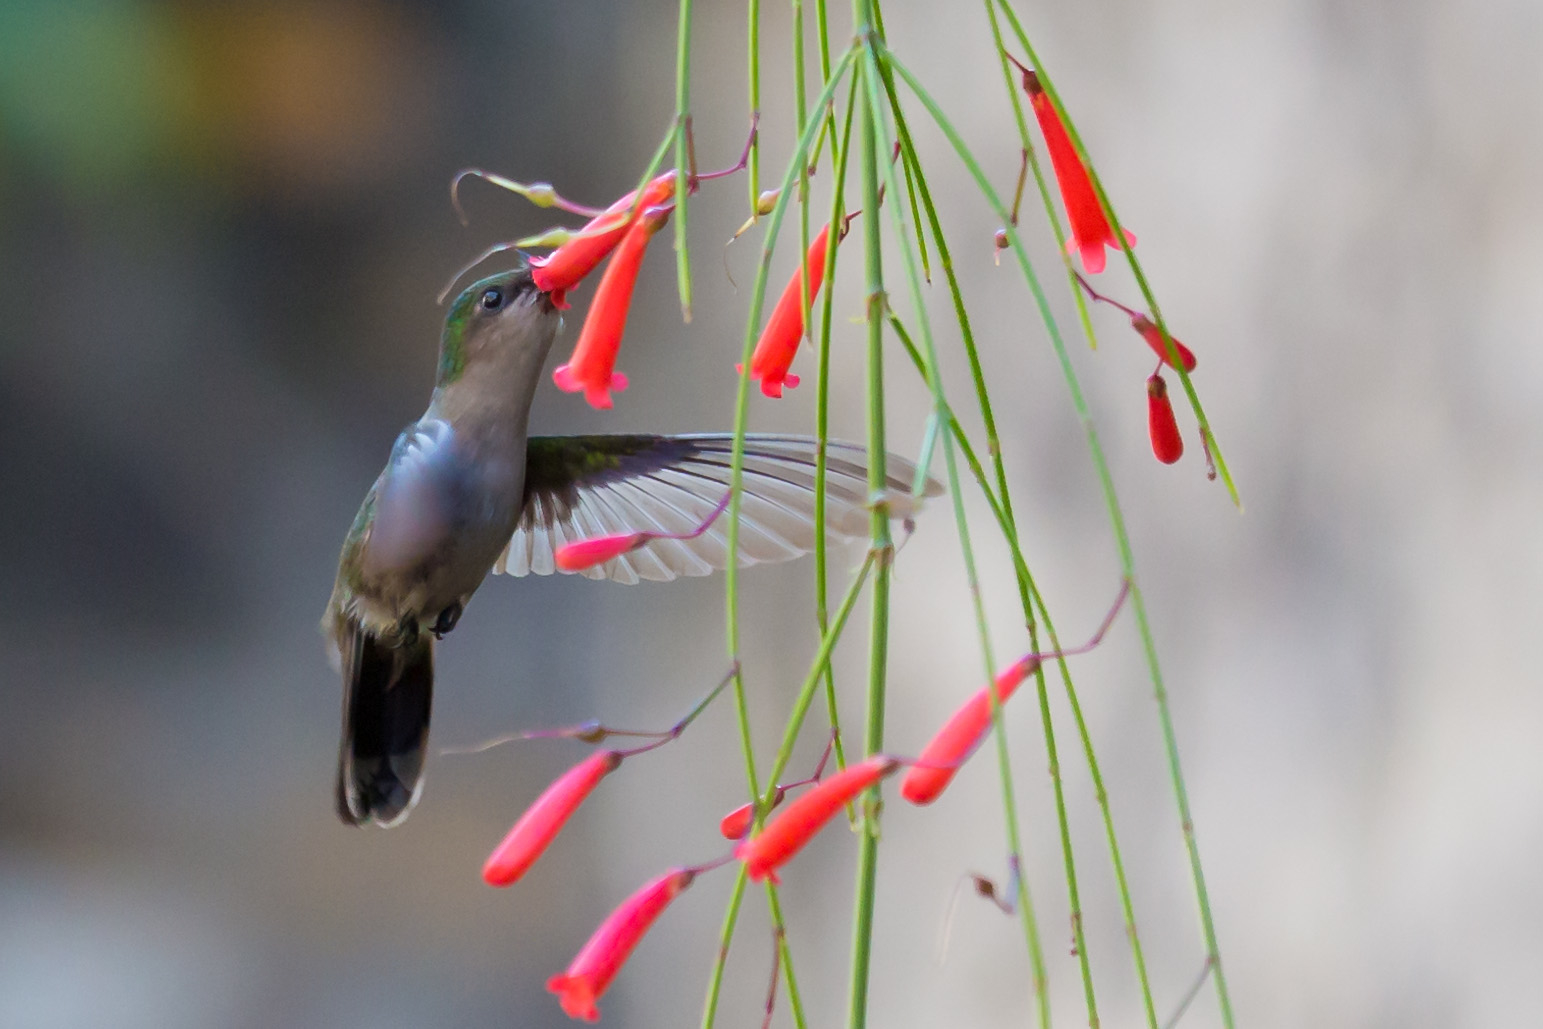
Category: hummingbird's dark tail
[387,691]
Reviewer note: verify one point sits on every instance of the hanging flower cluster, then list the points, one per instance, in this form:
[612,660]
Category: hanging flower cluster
[764,852]
[1162,426]
[770,831]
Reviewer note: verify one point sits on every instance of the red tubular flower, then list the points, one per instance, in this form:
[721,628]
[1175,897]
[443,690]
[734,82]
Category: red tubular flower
[565,267]
[1154,337]
[784,836]
[541,822]
[1090,229]
[940,759]
[591,368]
[575,557]
[1167,444]
[590,973]
[778,344]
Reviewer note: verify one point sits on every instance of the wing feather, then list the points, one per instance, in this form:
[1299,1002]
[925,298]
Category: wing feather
[585,486]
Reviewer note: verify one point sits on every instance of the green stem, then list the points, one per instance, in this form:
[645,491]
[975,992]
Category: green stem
[933,377]
[682,155]
[873,737]
[822,423]
[754,168]
[1116,518]
[741,420]
[725,937]
[1003,510]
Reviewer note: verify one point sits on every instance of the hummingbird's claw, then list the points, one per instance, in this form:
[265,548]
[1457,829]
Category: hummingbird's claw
[446,620]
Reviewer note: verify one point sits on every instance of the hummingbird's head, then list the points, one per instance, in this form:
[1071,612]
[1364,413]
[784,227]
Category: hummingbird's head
[501,320]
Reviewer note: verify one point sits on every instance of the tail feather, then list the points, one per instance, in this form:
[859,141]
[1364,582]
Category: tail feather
[387,693]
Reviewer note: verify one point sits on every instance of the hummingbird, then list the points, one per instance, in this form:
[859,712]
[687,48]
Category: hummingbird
[467,491]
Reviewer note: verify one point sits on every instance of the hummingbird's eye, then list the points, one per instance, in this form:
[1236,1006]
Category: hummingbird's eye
[492,299]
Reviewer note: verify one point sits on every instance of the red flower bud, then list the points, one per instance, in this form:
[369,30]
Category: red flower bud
[784,836]
[737,822]
[542,821]
[940,759]
[590,369]
[1167,444]
[565,267]
[590,973]
[1154,337]
[575,557]
[1090,230]
[778,344]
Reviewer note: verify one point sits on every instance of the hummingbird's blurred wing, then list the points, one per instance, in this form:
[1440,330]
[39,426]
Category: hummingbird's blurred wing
[578,487]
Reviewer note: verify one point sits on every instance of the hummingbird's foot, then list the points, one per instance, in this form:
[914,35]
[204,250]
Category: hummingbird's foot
[446,620]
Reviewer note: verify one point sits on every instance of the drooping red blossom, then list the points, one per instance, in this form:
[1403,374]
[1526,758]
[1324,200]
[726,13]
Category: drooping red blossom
[542,821]
[591,369]
[597,550]
[940,759]
[565,267]
[1167,444]
[590,972]
[784,836]
[1090,230]
[1154,337]
[775,350]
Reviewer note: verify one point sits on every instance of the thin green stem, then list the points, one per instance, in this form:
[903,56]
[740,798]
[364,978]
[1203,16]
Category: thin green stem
[1029,595]
[725,937]
[828,640]
[754,62]
[805,697]
[873,737]
[795,1001]
[741,420]
[683,157]
[822,423]
[1116,518]
[933,377]
[1003,510]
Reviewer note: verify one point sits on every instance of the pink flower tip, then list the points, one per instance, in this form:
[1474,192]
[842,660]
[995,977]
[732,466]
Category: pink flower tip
[575,557]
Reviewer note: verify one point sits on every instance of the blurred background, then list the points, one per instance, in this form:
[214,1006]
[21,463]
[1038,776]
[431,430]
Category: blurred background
[222,230]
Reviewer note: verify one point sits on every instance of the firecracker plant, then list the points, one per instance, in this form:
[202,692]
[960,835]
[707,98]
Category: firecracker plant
[857,134]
